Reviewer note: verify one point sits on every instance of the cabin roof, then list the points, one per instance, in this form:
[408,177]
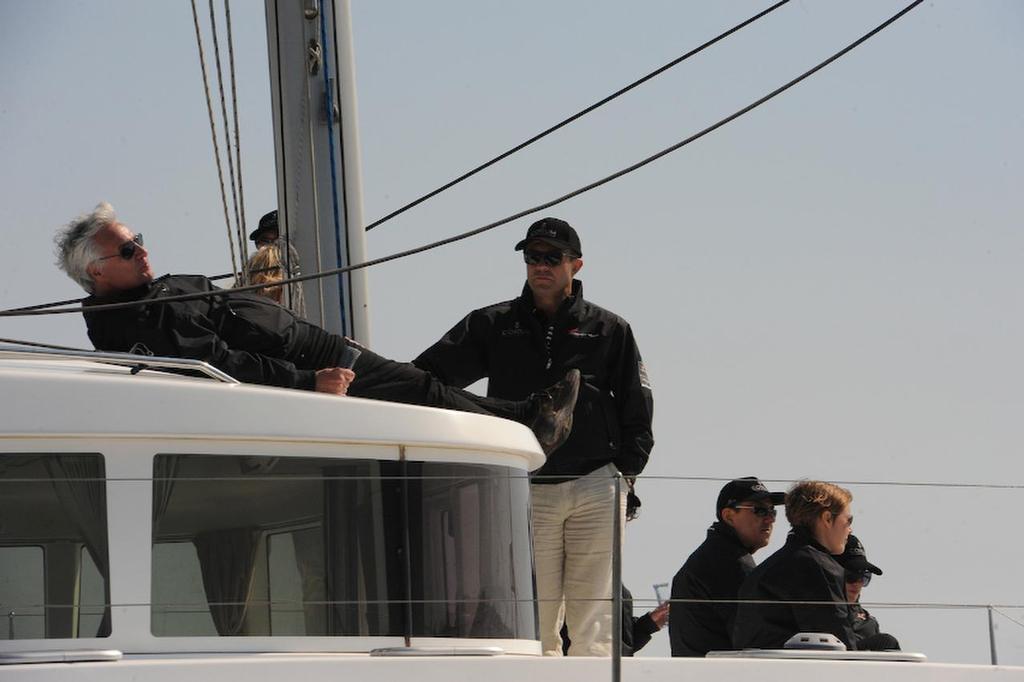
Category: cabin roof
[50,396]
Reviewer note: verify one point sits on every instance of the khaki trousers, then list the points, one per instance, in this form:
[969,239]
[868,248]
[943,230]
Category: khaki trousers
[572,545]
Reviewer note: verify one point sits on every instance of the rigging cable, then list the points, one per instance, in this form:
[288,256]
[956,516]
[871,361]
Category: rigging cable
[463,478]
[239,231]
[213,137]
[576,116]
[498,223]
[238,141]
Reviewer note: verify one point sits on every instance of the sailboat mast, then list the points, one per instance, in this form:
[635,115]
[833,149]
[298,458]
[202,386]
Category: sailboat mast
[316,147]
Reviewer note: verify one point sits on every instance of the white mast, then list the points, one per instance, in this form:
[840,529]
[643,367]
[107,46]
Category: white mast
[319,202]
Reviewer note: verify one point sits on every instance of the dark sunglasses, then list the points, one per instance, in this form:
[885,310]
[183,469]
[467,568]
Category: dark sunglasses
[127,250]
[763,512]
[549,258]
[858,577]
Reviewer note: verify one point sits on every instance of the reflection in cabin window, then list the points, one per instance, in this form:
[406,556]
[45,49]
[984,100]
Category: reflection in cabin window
[247,546]
[53,547]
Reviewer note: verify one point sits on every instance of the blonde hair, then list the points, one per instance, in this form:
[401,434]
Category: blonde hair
[267,266]
[806,500]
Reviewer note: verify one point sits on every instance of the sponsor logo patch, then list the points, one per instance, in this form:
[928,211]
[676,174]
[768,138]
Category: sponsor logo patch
[645,382]
[516,330]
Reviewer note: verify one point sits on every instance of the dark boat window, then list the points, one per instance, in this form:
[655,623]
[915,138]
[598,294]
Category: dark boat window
[53,547]
[257,546]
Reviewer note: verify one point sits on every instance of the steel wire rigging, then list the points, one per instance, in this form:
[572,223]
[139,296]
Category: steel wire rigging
[578,115]
[41,310]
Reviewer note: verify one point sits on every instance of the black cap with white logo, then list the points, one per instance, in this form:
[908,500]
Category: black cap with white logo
[556,232]
[854,558]
[747,489]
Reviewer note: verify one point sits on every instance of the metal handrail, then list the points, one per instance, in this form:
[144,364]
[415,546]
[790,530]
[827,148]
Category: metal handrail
[137,362]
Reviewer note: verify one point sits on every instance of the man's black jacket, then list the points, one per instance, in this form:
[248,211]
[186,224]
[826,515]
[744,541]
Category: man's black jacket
[248,336]
[802,570]
[714,571]
[520,352]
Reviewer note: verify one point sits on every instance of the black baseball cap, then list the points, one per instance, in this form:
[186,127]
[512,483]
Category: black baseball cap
[746,489]
[854,558]
[268,223]
[556,232]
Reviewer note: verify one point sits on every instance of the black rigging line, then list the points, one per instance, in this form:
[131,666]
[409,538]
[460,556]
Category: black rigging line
[498,223]
[574,117]
[49,346]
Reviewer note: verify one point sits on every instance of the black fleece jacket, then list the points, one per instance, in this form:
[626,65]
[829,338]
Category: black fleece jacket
[520,352]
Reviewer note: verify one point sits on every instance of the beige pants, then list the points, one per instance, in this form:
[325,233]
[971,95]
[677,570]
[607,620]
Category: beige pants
[572,545]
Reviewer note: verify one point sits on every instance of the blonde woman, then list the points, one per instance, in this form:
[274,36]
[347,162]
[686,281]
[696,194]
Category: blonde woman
[801,587]
[268,266]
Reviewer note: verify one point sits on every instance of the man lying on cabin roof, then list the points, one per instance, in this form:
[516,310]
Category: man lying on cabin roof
[258,341]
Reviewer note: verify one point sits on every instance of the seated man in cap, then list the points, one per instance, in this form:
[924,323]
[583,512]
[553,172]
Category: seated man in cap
[256,340]
[708,583]
[858,571]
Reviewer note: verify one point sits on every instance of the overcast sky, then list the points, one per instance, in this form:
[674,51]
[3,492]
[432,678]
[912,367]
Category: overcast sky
[829,287]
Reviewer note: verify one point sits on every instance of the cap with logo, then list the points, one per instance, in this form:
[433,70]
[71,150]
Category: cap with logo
[556,232]
[268,223]
[854,558]
[746,489]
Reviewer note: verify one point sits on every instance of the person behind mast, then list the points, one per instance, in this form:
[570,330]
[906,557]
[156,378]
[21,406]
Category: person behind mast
[704,590]
[257,341]
[268,266]
[519,345]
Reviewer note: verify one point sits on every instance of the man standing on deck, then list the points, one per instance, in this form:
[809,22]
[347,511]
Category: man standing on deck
[256,340]
[519,345]
[708,583]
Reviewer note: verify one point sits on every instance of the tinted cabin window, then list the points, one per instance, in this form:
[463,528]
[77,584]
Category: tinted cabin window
[53,547]
[288,546]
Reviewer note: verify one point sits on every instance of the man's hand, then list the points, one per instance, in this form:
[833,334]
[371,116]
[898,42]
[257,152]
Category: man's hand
[334,380]
[660,615]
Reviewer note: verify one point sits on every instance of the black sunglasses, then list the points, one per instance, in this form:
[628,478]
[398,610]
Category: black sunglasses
[761,511]
[858,577]
[127,250]
[549,258]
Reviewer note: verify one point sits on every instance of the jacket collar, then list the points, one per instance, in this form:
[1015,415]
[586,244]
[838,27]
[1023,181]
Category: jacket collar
[572,306]
[723,530]
[135,294]
[800,536]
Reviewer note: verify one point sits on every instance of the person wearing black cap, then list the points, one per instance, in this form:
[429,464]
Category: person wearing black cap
[858,571]
[267,231]
[705,588]
[519,345]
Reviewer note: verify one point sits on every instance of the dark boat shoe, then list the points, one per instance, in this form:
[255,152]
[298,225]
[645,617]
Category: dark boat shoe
[551,411]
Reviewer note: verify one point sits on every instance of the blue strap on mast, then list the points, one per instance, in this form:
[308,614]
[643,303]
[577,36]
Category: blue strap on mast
[329,104]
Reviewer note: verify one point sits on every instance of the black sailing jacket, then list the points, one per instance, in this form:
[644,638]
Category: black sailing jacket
[714,572]
[210,329]
[802,571]
[513,345]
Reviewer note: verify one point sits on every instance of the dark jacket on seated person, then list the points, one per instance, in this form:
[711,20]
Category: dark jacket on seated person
[802,570]
[713,573]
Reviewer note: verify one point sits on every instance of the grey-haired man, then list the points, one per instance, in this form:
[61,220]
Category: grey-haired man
[256,340]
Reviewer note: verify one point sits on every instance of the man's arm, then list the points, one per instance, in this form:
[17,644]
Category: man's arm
[635,405]
[460,357]
[193,337]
